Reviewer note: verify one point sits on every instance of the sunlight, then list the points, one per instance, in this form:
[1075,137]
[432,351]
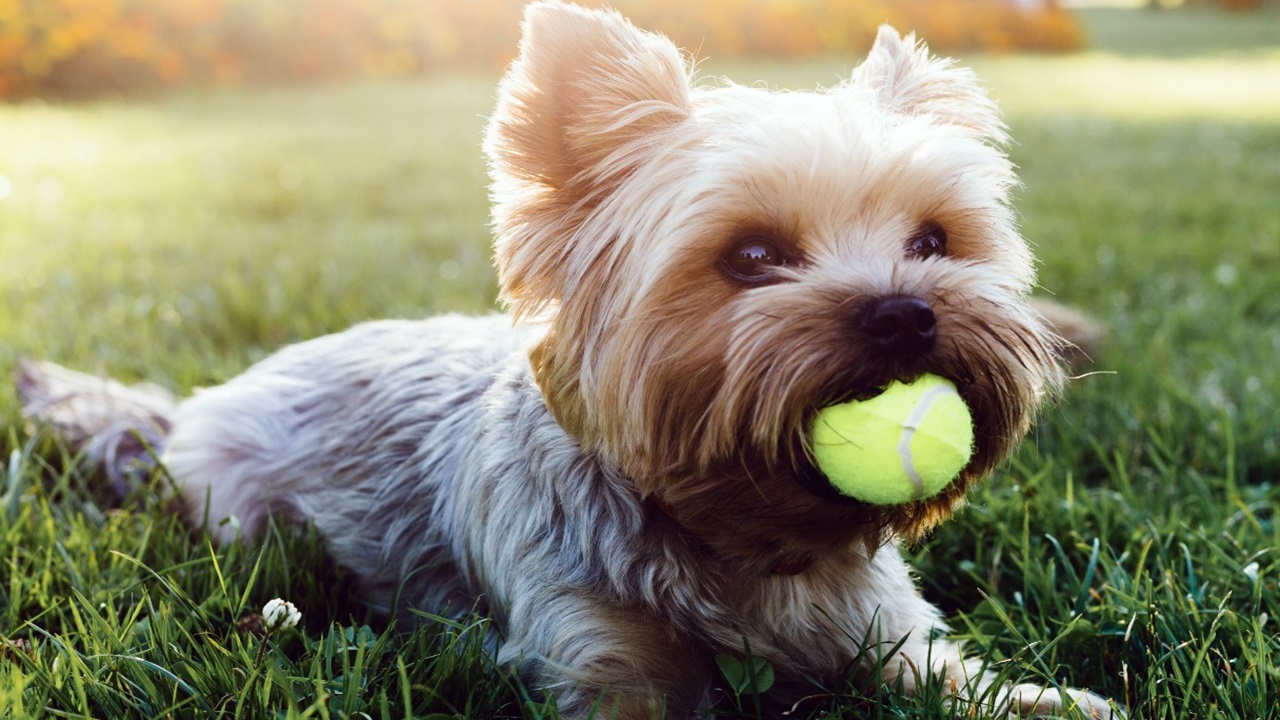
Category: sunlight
[1138,88]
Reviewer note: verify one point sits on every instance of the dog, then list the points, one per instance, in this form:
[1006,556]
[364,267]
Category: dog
[617,470]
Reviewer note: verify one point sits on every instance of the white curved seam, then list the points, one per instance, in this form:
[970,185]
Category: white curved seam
[909,427]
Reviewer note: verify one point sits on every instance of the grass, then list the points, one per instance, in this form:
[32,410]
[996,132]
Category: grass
[1130,546]
[1188,32]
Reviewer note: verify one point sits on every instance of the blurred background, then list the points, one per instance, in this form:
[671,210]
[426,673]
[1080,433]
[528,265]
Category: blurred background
[88,47]
[187,185]
[82,48]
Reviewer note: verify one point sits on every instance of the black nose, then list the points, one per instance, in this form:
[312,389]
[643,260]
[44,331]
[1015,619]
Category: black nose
[900,326]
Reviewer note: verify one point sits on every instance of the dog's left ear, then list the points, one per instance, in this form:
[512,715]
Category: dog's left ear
[907,80]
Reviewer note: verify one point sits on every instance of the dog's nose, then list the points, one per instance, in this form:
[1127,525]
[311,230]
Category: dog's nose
[901,326]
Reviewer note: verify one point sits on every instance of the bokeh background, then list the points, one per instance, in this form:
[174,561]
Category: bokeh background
[187,185]
[88,47]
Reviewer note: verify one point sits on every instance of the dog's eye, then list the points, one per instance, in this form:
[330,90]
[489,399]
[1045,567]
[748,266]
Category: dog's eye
[931,241]
[753,260]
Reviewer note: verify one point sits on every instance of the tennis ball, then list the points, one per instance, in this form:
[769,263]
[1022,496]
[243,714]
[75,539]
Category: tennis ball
[905,444]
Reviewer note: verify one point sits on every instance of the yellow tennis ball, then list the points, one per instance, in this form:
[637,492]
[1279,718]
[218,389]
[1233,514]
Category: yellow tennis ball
[905,444]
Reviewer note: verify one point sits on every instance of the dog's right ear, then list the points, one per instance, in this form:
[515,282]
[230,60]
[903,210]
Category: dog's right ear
[586,101]
[586,91]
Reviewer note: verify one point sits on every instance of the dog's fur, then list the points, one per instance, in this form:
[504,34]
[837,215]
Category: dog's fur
[620,475]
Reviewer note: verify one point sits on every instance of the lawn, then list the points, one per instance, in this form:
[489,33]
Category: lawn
[1129,547]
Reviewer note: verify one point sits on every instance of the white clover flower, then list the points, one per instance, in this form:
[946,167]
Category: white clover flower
[1251,571]
[280,614]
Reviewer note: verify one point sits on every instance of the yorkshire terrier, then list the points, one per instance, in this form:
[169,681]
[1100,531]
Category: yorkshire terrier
[617,470]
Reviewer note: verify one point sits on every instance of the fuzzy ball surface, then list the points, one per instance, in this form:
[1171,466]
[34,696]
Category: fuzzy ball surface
[906,444]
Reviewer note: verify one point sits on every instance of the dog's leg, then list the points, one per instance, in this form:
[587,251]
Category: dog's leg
[883,611]
[958,673]
[1028,700]
[591,654]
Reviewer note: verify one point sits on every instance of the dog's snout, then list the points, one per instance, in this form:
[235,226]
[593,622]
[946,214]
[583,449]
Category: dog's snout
[900,325]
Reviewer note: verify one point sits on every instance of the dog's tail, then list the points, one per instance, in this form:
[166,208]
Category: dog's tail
[118,428]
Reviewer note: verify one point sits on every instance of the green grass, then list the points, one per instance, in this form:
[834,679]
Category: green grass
[1185,32]
[1129,547]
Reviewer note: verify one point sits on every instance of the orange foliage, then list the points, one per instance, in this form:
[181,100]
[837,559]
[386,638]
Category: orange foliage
[96,46]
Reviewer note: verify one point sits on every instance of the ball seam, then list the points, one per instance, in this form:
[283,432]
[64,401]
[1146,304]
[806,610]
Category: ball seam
[909,427]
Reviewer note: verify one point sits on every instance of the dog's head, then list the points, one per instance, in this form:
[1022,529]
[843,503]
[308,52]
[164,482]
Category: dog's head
[712,265]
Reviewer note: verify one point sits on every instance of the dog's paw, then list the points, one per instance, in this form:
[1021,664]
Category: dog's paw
[1029,701]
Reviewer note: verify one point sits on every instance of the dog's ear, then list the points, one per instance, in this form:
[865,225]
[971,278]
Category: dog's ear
[586,101]
[585,93]
[907,80]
